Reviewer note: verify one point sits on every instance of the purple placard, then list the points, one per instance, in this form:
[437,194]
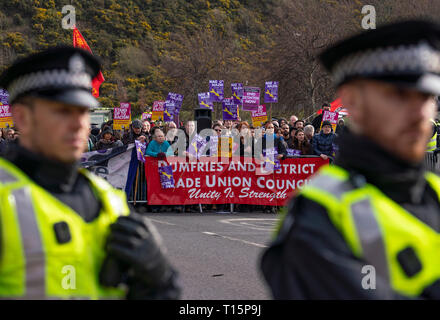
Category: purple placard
[176,98]
[197,146]
[4,97]
[216,90]
[173,109]
[251,98]
[293,152]
[271,161]
[271,92]
[213,146]
[140,150]
[168,113]
[205,100]
[166,177]
[229,109]
[237,93]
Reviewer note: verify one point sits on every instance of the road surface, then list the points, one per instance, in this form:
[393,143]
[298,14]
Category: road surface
[217,255]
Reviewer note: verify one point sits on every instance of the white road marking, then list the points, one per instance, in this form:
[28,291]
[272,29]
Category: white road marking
[241,223]
[163,222]
[235,239]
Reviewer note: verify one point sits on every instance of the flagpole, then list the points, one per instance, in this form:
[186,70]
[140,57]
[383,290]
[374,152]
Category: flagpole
[270,112]
[136,185]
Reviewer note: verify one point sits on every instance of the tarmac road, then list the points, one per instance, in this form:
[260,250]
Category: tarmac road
[217,255]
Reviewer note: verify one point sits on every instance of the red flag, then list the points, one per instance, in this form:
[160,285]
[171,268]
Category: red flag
[335,106]
[80,42]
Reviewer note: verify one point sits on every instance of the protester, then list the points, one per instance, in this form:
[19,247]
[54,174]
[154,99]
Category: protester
[171,134]
[301,143]
[279,133]
[135,133]
[269,138]
[286,131]
[107,141]
[190,127]
[158,147]
[246,148]
[323,142]
[292,121]
[228,124]
[316,123]
[309,132]
[146,127]
[9,134]
[299,124]
[283,122]
[340,126]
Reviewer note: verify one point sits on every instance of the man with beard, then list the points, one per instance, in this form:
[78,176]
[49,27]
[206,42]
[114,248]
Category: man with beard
[368,226]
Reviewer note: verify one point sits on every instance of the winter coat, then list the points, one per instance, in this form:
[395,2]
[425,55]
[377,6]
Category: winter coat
[323,143]
[154,148]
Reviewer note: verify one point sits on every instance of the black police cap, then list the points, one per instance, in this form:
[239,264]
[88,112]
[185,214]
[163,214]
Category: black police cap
[61,74]
[404,53]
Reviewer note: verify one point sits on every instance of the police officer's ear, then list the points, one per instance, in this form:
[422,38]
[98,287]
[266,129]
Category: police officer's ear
[23,115]
[352,99]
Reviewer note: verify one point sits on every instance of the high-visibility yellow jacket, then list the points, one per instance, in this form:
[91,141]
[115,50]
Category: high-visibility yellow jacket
[432,144]
[378,230]
[33,263]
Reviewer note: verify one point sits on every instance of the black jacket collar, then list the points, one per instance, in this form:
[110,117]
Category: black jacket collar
[401,181]
[52,175]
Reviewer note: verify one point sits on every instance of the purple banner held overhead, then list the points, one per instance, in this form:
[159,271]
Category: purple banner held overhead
[205,100]
[237,92]
[229,109]
[271,92]
[251,98]
[216,90]
[166,177]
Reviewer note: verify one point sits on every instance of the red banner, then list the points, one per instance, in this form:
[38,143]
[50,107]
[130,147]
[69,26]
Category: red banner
[80,42]
[240,181]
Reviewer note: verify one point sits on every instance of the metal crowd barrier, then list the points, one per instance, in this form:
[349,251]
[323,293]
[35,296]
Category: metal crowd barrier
[138,192]
[431,161]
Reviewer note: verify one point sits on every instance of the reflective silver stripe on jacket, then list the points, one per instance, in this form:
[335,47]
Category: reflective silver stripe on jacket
[6,177]
[32,245]
[329,184]
[370,237]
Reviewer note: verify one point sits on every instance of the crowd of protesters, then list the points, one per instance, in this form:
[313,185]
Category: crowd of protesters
[291,138]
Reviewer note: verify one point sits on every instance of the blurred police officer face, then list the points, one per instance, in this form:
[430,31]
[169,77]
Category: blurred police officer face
[55,130]
[404,127]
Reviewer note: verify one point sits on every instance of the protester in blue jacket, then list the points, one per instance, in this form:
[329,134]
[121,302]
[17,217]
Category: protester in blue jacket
[323,142]
[158,147]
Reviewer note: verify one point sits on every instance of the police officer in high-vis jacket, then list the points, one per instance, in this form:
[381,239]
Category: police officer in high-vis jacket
[64,232]
[368,227]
